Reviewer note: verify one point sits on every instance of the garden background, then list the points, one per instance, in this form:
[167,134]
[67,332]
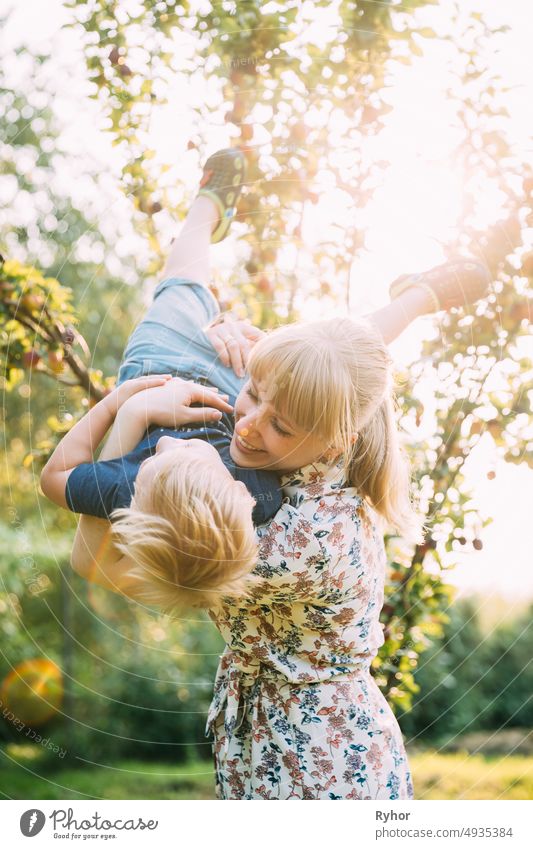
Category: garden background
[381,138]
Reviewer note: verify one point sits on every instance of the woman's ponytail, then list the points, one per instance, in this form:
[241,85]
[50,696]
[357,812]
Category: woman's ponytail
[379,469]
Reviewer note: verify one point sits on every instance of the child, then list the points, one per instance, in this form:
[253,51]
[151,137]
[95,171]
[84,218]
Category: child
[189,529]
[183,513]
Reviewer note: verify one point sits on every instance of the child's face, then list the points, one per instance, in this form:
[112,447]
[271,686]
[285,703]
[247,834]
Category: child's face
[169,450]
[269,441]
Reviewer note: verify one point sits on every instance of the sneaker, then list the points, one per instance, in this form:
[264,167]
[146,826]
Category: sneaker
[459,283]
[222,181]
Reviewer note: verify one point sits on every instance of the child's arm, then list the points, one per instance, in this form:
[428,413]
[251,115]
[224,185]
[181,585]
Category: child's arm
[124,436]
[80,443]
[93,554]
[96,559]
[165,406]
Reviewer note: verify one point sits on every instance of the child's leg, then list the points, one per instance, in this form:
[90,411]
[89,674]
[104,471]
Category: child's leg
[189,254]
[393,319]
[455,284]
[210,216]
[189,258]
[170,337]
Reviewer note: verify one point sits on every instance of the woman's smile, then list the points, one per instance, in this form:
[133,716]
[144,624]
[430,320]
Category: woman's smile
[246,446]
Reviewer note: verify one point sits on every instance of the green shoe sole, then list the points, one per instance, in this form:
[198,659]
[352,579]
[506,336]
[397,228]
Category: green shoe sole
[222,182]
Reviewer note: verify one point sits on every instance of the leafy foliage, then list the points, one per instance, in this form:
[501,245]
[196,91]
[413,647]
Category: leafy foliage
[473,680]
[38,329]
[65,256]
[133,682]
[307,108]
[299,105]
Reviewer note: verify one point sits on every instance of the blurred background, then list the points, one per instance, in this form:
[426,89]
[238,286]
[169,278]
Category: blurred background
[381,138]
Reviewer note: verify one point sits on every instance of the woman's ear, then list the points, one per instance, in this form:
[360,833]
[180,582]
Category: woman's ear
[334,453]
[330,455]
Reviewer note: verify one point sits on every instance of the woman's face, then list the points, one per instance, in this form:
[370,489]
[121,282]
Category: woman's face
[263,439]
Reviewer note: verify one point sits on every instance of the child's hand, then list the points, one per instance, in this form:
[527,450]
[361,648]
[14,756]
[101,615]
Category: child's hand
[118,396]
[233,340]
[169,405]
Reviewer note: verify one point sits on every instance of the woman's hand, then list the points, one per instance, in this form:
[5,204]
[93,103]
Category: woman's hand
[233,339]
[169,405]
[118,396]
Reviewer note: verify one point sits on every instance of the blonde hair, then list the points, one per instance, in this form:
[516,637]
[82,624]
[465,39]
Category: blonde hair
[190,535]
[333,378]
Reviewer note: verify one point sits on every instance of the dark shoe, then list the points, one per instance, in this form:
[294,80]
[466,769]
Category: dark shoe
[454,284]
[222,181]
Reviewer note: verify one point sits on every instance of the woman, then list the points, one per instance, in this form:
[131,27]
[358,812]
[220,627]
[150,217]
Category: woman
[296,713]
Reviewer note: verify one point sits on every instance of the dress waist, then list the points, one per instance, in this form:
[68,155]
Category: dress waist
[238,684]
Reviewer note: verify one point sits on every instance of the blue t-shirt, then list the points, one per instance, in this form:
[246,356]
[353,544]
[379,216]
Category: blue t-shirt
[96,489]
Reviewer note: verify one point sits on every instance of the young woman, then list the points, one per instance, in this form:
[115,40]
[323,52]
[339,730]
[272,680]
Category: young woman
[296,713]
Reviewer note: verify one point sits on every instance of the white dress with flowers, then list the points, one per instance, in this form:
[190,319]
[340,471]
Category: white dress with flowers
[296,713]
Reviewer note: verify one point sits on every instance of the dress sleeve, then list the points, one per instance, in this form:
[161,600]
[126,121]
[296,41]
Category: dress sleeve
[313,553]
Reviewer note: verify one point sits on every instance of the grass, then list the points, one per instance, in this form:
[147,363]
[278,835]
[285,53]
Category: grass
[465,776]
[31,778]
[25,775]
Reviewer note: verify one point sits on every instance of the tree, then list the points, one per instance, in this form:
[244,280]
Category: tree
[295,101]
[61,273]
[483,383]
[473,680]
[291,98]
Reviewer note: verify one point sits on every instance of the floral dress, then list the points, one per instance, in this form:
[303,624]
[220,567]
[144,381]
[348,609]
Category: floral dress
[296,713]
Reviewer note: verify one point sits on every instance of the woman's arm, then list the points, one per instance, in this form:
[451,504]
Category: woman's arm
[136,404]
[318,552]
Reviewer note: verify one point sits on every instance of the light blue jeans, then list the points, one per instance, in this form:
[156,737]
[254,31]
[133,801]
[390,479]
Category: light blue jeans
[171,339]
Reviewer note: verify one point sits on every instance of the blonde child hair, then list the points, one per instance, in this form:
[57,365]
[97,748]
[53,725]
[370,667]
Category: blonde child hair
[333,378]
[190,534]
